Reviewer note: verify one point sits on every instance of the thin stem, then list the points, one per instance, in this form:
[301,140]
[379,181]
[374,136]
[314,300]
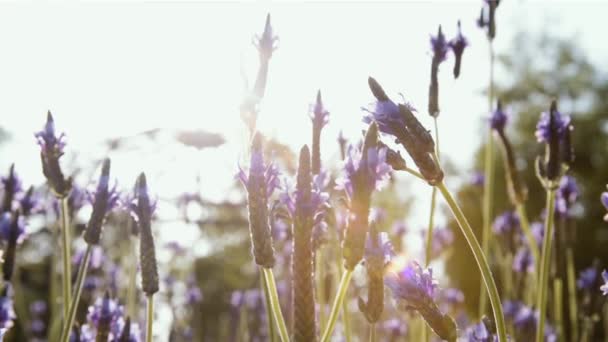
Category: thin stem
[429,232]
[82,272]
[275,304]
[525,226]
[488,189]
[541,303]
[346,322]
[67,257]
[269,317]
[333,315]
[414,173]
[558,309]
[150,318]
[320,271]
[571,283]
[372,332]
[482,263]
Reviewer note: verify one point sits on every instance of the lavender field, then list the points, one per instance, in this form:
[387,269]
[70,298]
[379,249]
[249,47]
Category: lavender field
[200,171]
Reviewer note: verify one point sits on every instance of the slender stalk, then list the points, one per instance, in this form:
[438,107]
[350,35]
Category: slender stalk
[488,189]
[372,332]
[333,315]
[525,226]
[482,263]
[414,173]
[150,318]
[269,317]
[541,303]
[429,232]
[275,304]
[67,257]
[82,273]
[346,322]
[558,309]
[571,283]
[320,271]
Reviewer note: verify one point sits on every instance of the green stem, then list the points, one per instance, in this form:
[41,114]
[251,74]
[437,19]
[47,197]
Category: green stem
[269,317]
[82,273]
[429,234]
[150,318]
[346,322]
[333,315]
[275,304]
[571,274]
[525,226]
[559,307]
[414,173]
[67,257]
[482,263]
[372,332]
[545,262]
[488,189]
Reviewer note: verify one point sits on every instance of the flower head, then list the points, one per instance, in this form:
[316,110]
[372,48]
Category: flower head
[51,150]
[29,202]
[368,173]
[545,129]
[604,200]
[587,278]
[498,118]
[318,113]
[439,46]
[506,223]
[7,313]
[266,43]
[604,287]
[104,200]
[479,332]
[567,193]
[104,315]
[457,44]
[523,261]
[378,249]
[11,184]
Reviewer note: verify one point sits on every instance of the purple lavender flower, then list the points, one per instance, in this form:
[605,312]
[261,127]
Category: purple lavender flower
[126,331]
[604,200]
[543,127]
[7,314]
[567,193]
[318,113]
[383,111]
[11,231]
[523,261]
[452,296]
[553,129]
[378,249]
[510,308]
[479,333]
[374,169]
[266,44]
[587,278]
[604,287]
[498,118]
[52,149]
[320,117]
[506,223]
[29,202]
[260,184]
[103,315]
[414,289]
[457,44]
[395,329]
[439,46]
[11,185]
[477,179]
[104,199]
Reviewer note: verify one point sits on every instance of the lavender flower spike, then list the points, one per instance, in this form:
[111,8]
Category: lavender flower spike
[11,186]
[414,289]
[103,315]
[7,314]
[320,117]
[260,184]
[51,150]
[104,200]
[440,48]
[378,252]
[266,43]
[302,262]
[458,44]
[553,129]
[11,229]
[142,209]
[604,287]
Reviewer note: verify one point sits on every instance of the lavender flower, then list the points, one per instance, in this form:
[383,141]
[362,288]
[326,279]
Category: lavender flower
[395,329]
[260,184]
[604,200]
[266,43]
[104,200]
[523,261]
[479,332]
[587,278]
[142,209]
[320,117]
[125,331]
[604,287]
[7,314]
[553,129]
[378,252]
[414,289]
[457,44]
[103,316]
[11,185]
[498,118]
[51,150]
[507,223]
[364,173]
[29,202]
[12,228]
[477,179]
[490,21]
[440,48]
[567,193]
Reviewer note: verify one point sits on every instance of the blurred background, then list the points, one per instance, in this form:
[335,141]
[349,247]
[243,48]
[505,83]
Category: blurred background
[157,86]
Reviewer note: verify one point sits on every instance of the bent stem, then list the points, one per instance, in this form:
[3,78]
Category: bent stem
[82,272]
[525,226]
[541,302]
[571,283]
[67,258]
[275,306]
[149,318]
[333,316]
[482,263]
[488,189]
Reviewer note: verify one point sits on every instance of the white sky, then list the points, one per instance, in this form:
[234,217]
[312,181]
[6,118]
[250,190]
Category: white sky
[113,69]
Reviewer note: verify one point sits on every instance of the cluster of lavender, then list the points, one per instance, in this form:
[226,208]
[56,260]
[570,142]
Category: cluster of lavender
[328,218]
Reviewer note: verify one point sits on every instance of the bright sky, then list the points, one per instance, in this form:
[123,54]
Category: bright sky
[114,69]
